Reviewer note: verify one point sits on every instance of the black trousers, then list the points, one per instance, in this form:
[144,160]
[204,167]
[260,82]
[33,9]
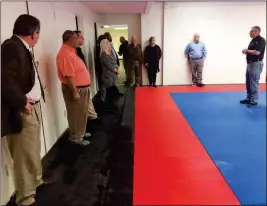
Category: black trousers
[152,74]
[111,93]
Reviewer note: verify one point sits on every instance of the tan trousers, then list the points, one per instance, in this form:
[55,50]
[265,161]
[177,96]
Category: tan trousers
[25,148]
[77,112]
[133,70]
[91,110]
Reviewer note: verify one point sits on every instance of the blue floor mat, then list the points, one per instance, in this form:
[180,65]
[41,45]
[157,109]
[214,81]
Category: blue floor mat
[234,136]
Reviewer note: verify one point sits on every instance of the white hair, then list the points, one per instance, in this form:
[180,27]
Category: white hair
[104,45]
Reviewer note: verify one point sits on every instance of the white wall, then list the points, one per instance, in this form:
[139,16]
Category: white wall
[55,17]
[152,25]
[132,20]
[224,28]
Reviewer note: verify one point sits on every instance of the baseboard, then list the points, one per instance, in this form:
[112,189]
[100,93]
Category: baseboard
[49,156]
[177,85]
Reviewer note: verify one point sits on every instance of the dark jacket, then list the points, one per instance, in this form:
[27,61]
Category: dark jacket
[123,49]
[152,56]
[80,54]
[17,79]
[134,53]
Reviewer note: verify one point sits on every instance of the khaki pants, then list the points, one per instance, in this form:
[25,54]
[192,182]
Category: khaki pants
[25,148]
[133,69]
[91,110]
[77,112]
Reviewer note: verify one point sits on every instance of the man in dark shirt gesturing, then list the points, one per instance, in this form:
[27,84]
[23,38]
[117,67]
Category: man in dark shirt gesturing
[255,55]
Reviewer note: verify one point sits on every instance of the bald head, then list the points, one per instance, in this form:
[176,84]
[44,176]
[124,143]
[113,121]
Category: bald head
[196,37]
[133,40]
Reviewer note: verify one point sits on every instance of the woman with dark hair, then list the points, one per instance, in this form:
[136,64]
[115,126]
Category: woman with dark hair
[152,55]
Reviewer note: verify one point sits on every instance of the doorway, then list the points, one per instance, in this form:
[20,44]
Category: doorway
[117,31]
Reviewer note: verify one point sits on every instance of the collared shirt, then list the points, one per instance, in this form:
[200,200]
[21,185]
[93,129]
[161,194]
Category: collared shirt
[196,50]
[258,43]
[70,65]
[35,94]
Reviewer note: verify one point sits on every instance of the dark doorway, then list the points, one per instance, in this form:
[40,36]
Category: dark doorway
[96,57]
[77,24]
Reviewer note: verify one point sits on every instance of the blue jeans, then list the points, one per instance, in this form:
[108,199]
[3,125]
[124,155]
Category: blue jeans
[252,80]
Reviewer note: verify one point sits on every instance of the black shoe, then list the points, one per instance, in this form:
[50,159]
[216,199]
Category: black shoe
[200,85]
[245,101]
[252,104]
[154,85]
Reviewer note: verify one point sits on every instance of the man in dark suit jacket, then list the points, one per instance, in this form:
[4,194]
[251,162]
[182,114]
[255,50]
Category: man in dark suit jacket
[20,112]
[80,43]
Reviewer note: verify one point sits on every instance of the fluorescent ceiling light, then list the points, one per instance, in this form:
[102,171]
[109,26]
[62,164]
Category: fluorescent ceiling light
[106,26]
[121,28]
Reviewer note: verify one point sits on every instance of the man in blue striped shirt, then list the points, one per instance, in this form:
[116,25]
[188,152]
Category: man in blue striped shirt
[196,53]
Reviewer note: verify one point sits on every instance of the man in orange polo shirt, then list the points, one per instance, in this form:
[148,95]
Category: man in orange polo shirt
[75,79]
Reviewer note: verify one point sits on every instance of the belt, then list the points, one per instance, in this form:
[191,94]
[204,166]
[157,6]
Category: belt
[256,60]
[85,86]
[195,58]
[33,103]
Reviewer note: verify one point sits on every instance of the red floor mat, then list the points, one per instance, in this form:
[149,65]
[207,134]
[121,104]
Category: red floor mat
[171,167]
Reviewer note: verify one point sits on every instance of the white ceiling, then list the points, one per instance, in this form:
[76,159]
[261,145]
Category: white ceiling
[117,7]
[137,7]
